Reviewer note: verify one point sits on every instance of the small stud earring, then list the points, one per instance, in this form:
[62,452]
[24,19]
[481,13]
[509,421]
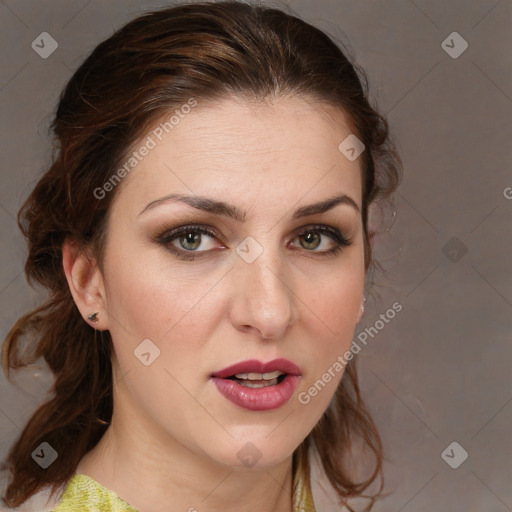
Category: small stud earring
[93,317]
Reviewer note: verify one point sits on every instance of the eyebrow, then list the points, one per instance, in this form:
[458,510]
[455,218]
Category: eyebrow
[222,208]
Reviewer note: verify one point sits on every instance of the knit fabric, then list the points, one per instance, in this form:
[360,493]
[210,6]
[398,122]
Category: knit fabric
[84,494]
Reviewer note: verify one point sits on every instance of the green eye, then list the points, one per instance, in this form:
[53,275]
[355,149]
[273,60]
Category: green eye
[185,241]
[312,237]
[189,239]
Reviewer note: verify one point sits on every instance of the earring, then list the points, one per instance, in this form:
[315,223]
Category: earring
[93,317]
[363,304]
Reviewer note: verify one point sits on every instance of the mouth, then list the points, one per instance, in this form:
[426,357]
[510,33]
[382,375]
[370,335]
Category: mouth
[257,369]
[258,386]
[258,380]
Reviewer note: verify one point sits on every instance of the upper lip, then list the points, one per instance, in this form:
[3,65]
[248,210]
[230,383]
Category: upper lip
[255,366]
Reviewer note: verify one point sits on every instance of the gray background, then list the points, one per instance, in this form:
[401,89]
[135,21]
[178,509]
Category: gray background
[440,370]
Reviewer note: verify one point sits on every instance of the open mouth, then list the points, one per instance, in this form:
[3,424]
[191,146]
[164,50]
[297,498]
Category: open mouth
[258,380]
[258,386]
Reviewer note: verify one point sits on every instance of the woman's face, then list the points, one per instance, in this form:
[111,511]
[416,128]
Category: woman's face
[252,267]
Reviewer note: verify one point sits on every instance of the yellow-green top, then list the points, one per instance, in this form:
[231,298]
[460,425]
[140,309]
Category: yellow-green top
[84,494]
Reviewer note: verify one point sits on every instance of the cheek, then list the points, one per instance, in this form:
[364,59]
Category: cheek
[332,316]
[336,301]
[177,312]
[150,297]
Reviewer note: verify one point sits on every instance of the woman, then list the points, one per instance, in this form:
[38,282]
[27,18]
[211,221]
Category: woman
[204,234]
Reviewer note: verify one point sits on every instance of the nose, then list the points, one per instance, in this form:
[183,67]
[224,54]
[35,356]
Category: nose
[263,299]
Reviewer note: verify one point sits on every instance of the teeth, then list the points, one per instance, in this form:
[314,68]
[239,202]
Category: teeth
[259,376]
[249,384]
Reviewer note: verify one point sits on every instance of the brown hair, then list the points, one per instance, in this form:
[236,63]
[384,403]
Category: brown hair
[152,65]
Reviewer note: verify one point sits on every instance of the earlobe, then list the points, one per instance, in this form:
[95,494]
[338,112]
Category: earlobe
[85,282]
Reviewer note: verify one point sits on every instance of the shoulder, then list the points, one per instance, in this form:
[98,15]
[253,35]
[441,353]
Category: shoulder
[85,494]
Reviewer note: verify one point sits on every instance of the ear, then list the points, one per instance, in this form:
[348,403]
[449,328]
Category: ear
[86,284]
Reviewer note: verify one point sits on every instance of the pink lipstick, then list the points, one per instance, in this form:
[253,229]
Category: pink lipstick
[258,386]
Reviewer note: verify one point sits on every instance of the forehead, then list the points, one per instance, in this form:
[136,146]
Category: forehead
[284,148]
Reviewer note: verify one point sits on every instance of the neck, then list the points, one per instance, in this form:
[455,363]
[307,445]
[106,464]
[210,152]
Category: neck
[151,471]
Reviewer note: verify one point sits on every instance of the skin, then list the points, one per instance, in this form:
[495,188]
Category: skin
[173,437]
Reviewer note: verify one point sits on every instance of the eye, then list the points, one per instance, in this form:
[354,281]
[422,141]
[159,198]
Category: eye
[185,241]
[193,241]
[313,238]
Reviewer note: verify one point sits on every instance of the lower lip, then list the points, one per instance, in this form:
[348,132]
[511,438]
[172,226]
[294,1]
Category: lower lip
[258,399]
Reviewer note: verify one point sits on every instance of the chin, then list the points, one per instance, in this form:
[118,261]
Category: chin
[256,451]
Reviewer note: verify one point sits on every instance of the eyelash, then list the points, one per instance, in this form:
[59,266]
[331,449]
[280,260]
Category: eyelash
[168,235]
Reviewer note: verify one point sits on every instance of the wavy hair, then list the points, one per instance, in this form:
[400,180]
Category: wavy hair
[147,68]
